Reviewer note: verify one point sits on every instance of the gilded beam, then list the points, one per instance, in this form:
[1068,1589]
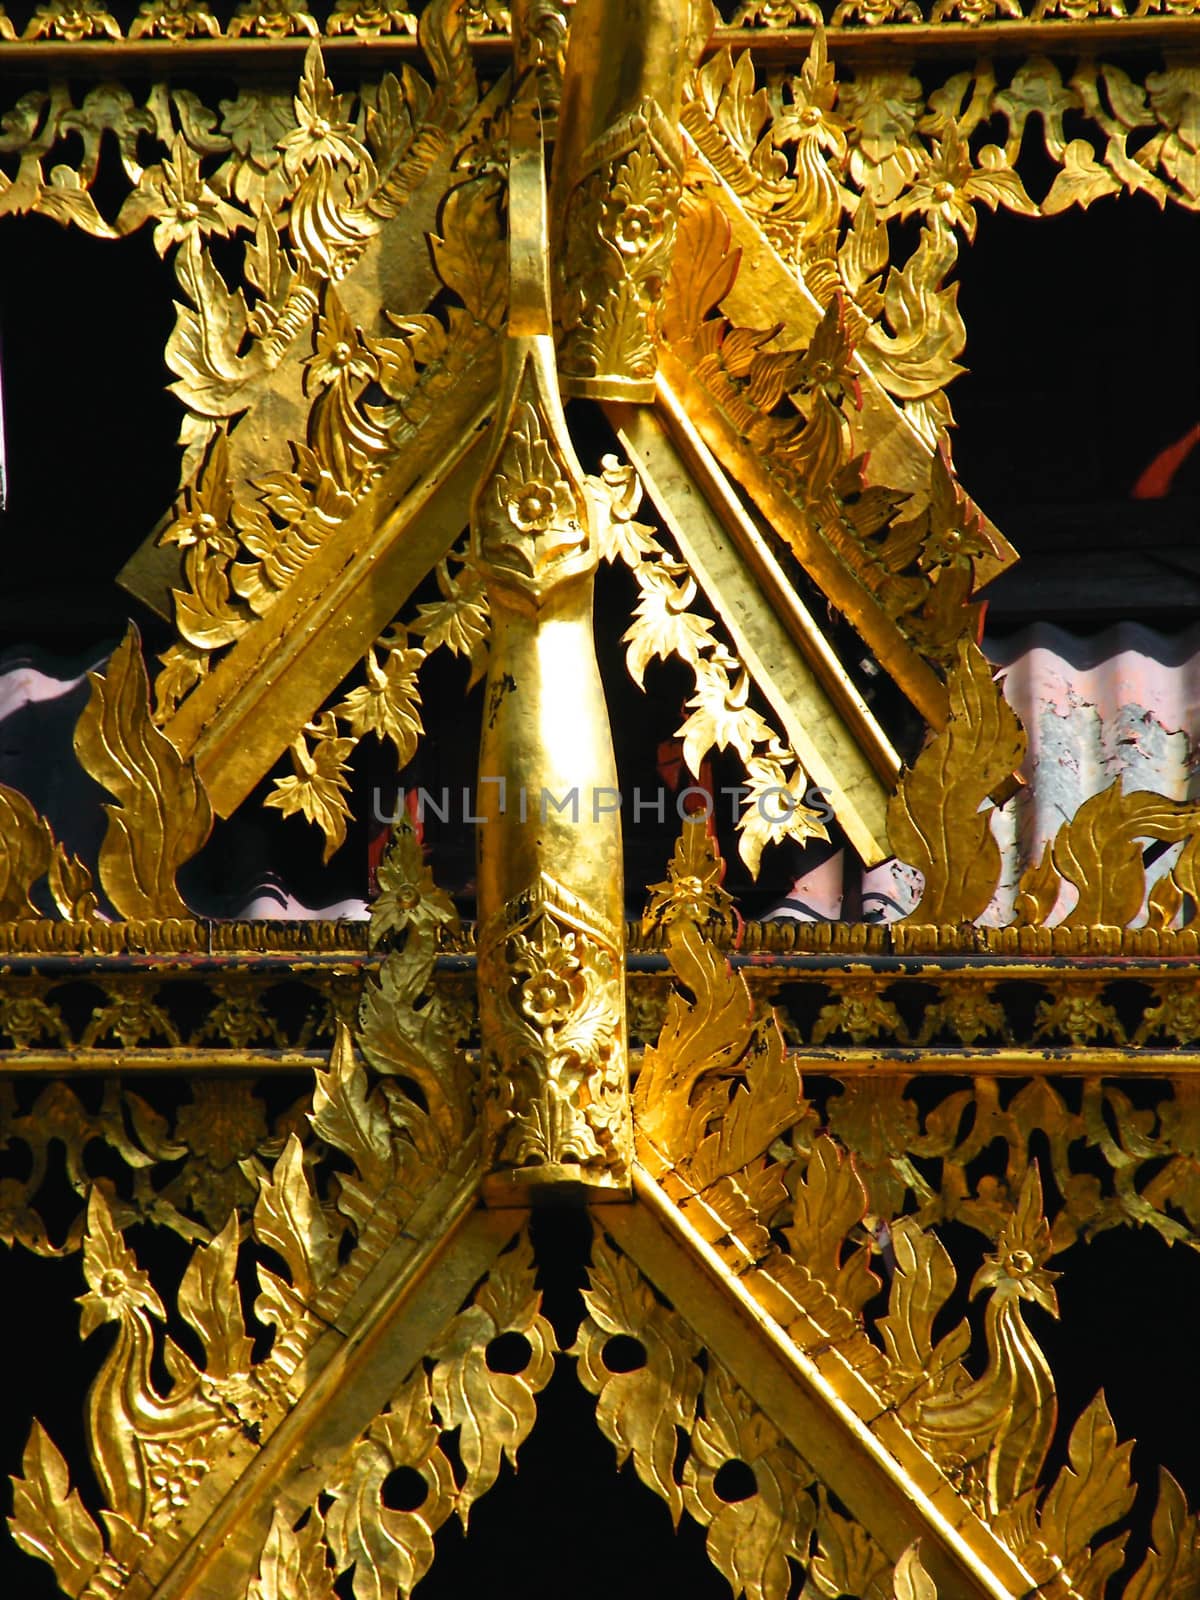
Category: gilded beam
[821,1406]
[243,716]
[348,1378]
[775,47]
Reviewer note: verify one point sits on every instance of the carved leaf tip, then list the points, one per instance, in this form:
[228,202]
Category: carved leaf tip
[162,815]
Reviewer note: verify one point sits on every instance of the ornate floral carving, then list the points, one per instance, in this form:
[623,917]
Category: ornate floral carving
[618,228]
[554,1070]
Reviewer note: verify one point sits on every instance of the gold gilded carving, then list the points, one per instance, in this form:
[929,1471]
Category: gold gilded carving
[72,20]
[153,1447]
[161,816]
[715,1090]
[221,1137]
[749,1541]
[557,1089]
[1011,1407]
[174,20]
[667,622]
[860,1012]
[830,363]
[409,1029]
[29,851]
[272,19]
[316,788]
[617,176]
[797,413]
[934,820]
[389,1551]
[551,912]
[619,231]
[369,19]
[638,1411]
[294,1564]
[148,1448]
[670,1386]
[387,704]
[1097,852]
[941,1161]
[775,14]
[48,1518]
[493,1411]
[26,850]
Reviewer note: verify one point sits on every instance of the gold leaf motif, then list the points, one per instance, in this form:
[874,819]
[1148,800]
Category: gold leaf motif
[1092,1492]
[910,1581]
[288,1217]
[27,851]
[1171,1569]
[293,1566]
[924,1281]
[49,1519]
[847,1560]
[639,1409]
[388,704]
[354,1121]
[828,1199]
[1097,851]
[721,715]
[460,620]
[934,820]
[751,1540]
[317,788]
[493,1411]
[389,1550]
[1037,892]
[208,1301]
[664,624]
[468,252]
[71,886]
[162,815]
[775,808]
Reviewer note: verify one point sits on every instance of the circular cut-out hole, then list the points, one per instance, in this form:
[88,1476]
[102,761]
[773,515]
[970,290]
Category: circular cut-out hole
[622,1353]
[508,1352]
[735,1481]
[405,1490]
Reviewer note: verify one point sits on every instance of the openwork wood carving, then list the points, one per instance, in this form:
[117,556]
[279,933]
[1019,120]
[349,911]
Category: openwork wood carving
[733,241]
